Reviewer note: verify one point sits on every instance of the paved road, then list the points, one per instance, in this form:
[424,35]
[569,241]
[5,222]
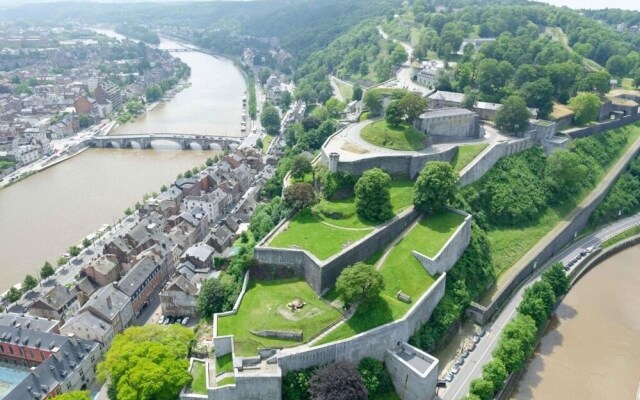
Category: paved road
[472,368]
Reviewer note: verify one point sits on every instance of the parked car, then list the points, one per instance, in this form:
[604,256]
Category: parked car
[460,361]
[481,332]
[471,346]
[456,368]
[465,353]
[185,321]
[476,338]
[448,377]
[178,320]
[166,321]
[161,319]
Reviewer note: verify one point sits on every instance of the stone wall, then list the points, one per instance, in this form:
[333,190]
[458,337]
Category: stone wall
[322,275]
[601,127]
[480,166]
[372,343]
[408,381]
[223,345]
[451,251]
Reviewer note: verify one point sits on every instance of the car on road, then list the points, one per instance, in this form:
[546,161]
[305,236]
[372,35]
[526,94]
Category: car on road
[476,339]
[185,321]
[465,353]
[481,332]
[471,346]
[161,319]
[178,320]
[167,321]
[448,377]
[456,368]
[460,361]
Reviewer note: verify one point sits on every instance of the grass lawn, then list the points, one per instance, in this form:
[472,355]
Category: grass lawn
[199,383]
[224,364]
[264,306]
[466,154]
[346,90]
[266,142]
[229,380]
[401,271]
[307,231]
[401,137]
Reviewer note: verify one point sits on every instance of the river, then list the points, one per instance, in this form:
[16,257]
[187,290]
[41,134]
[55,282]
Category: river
[43,215]
[591,349]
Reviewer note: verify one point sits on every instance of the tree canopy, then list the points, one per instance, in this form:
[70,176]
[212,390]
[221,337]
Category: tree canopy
[373,199]
[216,295]
[299,196]
[300,166]
[359,284]
[337,381]
[435,187]
[513,116]
[586,107]
[270,119]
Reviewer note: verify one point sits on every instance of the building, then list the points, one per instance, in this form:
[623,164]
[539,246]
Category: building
[103,270]
[429,72]
[178,297]
[57,363]
[88,326]
[140,283]
[30,322]
[27,154]
[56,303]
[112,306]
[442,99]
[449,124]
[109,92]
[200,255]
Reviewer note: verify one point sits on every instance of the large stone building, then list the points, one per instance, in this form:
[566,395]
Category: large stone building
[449,124]
[178,297]
[141,282]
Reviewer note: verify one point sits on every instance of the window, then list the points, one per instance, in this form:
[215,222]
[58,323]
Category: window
[21,351]
[10,349]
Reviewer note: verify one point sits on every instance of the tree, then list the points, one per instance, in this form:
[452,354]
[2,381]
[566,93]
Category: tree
[213,297]
[539,94]
[482,388]
[565,174]
[285,99]
[513,116]
[337,381]
[128,211]
[264,74]
[398,55]
[86,242]
[300,166]
[495,372]
[493,75]
[557,278]
[373,199]
[599,82]
[270,119]
[392,114]
[359,284]
[357,93]
[586,107]
[29,283]
[13,295]
[617,66]
[61,261]
[636,78]
[373,101]
[435,187]
[84,121]
[412,105]
[334,107]
[47,270]
[74,251]
[153,93]
[512,354]
[259,143]
[148,362]
[299,196]
[375,376]
[538,302]
[469,100]
[75,395]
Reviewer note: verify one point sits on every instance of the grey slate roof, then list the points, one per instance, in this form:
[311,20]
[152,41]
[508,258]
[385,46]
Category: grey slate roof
[200,251]
[136,276]
[445,112]
[98,302]
[27,321]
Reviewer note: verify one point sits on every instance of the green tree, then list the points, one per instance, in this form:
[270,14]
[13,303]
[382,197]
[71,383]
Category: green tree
[513,116]
[557,278]
[75,395]
[334,107]
[599,82]
[153,93]
[617,66]
[285,100]
[47,270]
[435,187]
[270,119]
[393,114]
[586,107]
[213,297]
[471,396]
[357,93]
[13,295]
[412,105]
[300,166]
[339,380]
[482,388]
[61,261]
[375,376]
[373,199]
[148,362]
[495,372]
[86,242]
[84,121]
[299,196]
[512,354]
[636,78]
[29,283]
[469,100]
[128,211]
[398,55]
[359,284]
[74,251]
[565,174]
[373,101]
[539,94]
[538,302]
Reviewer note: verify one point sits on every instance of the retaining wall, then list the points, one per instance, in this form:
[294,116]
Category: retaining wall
[451,251]
[603,126]
[411,383]
[322,275]
[372,343]
[480,166]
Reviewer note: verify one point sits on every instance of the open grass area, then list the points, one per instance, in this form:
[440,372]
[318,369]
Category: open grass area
[224,364]
[266,142]
[346,89]
[560,111]
[229,380]
[401,271]
[199,373]
[311,230]
[401,137]
[264,307]
[621,236]
[466,154]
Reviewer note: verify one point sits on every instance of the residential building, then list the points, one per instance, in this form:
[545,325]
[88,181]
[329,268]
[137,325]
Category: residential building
[112,306]
[140,283]
[57,302]
[103,270]
[178,297]
[88,326]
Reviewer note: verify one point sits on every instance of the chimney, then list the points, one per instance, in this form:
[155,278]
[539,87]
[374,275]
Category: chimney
[109,304]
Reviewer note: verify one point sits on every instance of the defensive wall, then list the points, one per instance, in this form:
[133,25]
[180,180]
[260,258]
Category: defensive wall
[321,275]
[567,233]
[411,370]
[490,156]
[602,126]
[451,251]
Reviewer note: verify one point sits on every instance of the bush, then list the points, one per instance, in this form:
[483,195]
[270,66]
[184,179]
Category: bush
[373,199]
[375,376]
[295,384]
[338,381]
[338,184]
[359,283]
[435,187]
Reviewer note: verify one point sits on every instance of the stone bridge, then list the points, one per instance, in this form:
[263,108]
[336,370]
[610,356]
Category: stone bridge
[186,142]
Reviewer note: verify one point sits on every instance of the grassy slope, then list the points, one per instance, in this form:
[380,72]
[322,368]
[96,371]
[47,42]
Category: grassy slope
[260,310]
[224,364]
[266,142]
[466,154]
[402,137]
[401,271]
[199,384]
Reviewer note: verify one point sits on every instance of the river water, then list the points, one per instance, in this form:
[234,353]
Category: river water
[591,349]
[43,215]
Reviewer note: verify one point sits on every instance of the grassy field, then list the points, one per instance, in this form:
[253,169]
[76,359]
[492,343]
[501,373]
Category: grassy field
[401,137]
[266,142]
[264,306]
[621,236]
[346,90]
[466,154]
[224,364]
[229,380]
[309,230]
[199,373]
[401,271]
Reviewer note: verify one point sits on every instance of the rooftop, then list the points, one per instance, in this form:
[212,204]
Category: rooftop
[136,277]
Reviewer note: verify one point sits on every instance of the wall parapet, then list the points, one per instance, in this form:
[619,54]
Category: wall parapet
[490,156]
[451,251]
